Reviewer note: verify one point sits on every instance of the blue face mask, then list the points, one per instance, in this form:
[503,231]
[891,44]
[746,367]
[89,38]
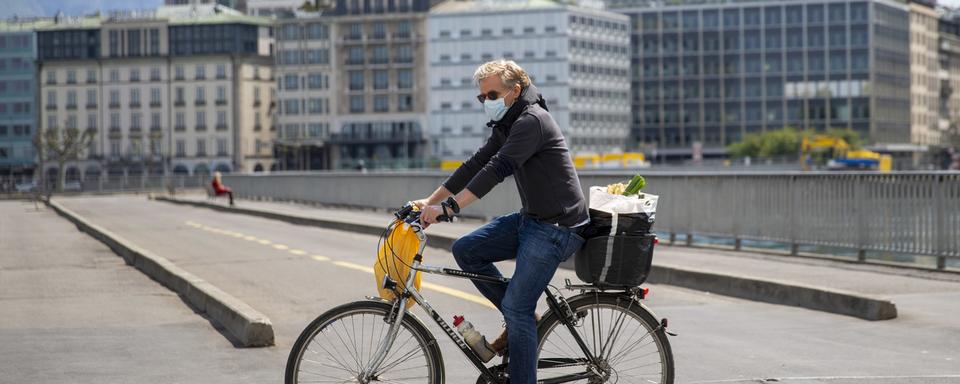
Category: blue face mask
[495,109]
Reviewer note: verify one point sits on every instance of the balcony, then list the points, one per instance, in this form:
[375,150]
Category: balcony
[155,104]
[200,128]
[71,81]
[91,105]
[354,61]
[51,82]
[221,127]
[71,107]
[134,104]
[257,127]
[178,77]
[179,103]
[221,76]
[200,103]
[91,80]
[114,133]
[134,79]
[221,102]
[256,103]
[51,107]
[155,129]
[154,78]
[114,105]
[135,132]
[179,128]
[200,77]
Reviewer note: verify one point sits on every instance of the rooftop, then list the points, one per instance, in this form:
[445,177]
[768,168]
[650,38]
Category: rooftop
[172,14]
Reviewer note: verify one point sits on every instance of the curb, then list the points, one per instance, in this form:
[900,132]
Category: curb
[250,327]
[750,288]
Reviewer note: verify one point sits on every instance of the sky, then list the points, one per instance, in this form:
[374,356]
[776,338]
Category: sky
[82,7]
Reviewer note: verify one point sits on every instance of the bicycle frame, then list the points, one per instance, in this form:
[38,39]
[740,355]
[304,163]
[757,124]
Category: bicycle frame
[411,292]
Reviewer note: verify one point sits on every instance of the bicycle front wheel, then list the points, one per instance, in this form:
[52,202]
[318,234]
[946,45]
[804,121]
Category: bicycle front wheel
[627,340]
[338,345]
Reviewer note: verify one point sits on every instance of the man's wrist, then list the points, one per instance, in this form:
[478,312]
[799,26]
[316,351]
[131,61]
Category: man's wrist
[451,202]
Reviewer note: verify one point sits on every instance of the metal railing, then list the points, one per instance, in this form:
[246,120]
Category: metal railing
[101,184]
[914,213]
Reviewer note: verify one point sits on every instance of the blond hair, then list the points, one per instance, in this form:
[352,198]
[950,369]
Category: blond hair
[510,73]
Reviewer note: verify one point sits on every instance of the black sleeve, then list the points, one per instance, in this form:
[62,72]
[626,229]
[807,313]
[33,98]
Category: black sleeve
[459,179]
[523,141]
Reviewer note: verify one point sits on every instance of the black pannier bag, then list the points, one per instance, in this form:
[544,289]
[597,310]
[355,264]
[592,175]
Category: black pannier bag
[620,261]
[632,224]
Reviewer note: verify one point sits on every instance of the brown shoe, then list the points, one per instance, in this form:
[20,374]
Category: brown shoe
[500,344]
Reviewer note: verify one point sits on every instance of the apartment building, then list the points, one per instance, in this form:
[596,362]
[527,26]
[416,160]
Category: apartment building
[17,94]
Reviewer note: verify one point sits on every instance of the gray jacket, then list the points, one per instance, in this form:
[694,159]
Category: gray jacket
[528,144]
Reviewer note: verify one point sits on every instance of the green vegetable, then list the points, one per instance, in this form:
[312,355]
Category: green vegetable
[636,184]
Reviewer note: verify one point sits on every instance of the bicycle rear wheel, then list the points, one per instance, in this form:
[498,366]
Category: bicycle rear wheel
[631,345]
[337,346]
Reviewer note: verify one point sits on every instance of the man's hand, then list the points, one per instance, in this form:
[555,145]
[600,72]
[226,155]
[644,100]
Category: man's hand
[428,215]
[421,203]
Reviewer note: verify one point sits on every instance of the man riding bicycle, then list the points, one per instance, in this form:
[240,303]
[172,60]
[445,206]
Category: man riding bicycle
[526,143]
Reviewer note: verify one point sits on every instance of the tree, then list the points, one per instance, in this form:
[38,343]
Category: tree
[785,142]
[60,147]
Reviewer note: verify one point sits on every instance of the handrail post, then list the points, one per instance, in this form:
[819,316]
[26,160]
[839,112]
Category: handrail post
[860,203]
[939,207]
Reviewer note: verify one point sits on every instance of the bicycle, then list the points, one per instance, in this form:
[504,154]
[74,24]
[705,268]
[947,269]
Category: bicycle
[579,339]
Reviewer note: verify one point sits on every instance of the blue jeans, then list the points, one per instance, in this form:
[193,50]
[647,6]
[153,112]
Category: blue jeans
[539,249]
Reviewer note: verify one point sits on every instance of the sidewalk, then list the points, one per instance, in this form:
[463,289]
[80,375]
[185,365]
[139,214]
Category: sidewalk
[833,286]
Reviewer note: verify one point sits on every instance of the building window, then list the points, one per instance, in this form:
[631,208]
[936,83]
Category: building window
[71,76]
[356,80]
[92,121]
[315,106]
[114,76]
[316,81]
[135,121]
[403,54]
[381,79]
[71,99]
[114,98]
[355,55]
[290,82]
[154,42]
[317,31]
[405,79]
[201,96]
[181,122]
[154,74]
[221,120]
[134,75]
[200,72]
[404,102]
[201,121]
[91,76]
[380,55]
[221,147]
[221,71]
[178,72]
[291,107]
[379,30]
[404,29]
[381,103]
[114,121]
[154,97]
[356,104]
[181,148]
[134,98]
[155,121]
[201,148]
[221,95]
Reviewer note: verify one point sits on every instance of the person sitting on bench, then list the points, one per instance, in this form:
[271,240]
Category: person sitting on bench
[219,189]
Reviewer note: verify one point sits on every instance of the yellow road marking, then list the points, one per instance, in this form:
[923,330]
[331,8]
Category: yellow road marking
[433,287]
[363,268]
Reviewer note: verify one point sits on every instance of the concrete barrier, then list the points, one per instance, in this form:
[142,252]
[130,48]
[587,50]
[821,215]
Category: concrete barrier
[249,327]
[750,288]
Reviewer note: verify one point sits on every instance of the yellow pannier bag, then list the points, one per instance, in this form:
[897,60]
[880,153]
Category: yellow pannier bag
[394,258]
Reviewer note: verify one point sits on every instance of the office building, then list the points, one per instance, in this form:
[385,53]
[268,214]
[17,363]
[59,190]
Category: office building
[576,56]
[17,94]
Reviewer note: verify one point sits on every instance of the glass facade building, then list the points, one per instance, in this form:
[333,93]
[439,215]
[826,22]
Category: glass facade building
[712,72]
[17,101]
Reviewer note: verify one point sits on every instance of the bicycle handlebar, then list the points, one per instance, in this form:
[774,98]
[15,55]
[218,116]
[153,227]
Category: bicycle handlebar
[410,214]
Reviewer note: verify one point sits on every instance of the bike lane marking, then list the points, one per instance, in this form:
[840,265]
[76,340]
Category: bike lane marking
[345,264]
